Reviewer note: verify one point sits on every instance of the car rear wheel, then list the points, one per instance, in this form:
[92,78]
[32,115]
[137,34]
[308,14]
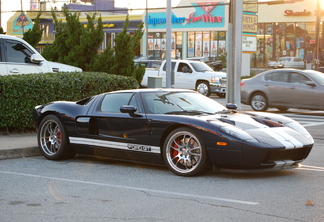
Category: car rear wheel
[184,153]
[259,102]
[53,140]
[203,88]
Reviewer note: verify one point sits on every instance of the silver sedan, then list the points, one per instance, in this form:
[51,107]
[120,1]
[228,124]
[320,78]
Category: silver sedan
[284,89]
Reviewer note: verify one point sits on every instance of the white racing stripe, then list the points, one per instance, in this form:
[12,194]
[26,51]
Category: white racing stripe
[169,193]
[284,138]
[115,145]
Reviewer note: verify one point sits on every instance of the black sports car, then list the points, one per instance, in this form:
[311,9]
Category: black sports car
[182,129]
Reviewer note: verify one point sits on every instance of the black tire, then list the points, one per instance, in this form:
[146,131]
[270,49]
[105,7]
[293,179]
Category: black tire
[203,88]
[184,153]
[259,102]
[53,140]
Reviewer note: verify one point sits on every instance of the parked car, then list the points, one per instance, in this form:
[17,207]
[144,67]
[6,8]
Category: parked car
[274,64]
[284,89]
[189,74]
[291,62]
[182,129]
[18,57]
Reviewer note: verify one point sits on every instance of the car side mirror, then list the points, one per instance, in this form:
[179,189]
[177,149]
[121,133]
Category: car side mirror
[231,106]
[128,109]
[310,83]
[35,58]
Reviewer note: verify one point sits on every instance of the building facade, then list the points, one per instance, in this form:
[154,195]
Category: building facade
[286,30]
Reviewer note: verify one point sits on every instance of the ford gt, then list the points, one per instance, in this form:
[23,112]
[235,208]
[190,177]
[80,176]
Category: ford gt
[182,129]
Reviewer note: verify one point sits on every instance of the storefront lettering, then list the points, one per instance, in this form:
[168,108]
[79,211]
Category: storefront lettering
[204,18]
[301,13]
[154,21]
[191,19]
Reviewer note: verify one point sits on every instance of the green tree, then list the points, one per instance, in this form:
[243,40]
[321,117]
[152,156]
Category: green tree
[1,31]
[34,35]
[119,60]
[75,44]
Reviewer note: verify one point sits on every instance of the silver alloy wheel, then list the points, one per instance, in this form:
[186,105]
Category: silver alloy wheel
[50,137]
[259,102]
[203,88]
[183,152]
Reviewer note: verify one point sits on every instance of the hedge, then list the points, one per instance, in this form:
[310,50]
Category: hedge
[19,94]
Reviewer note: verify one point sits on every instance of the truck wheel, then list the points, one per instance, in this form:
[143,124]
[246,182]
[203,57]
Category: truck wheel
[203,88]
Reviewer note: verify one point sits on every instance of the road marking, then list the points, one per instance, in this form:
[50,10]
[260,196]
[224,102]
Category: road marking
[306,121]
[135,188]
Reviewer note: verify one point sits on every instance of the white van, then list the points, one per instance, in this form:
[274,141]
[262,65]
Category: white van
[18,57]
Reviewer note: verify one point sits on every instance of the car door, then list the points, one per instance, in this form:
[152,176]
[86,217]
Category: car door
[301,94]
[121,131]
[183,76]
[276,87]
[18,59]
[163,73]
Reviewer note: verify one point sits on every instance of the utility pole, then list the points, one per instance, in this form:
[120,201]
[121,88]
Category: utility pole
[234,63]
[317,31]
[168,44]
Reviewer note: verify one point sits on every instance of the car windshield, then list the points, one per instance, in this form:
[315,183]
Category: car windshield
[201,67]
[315,75]
[188,103]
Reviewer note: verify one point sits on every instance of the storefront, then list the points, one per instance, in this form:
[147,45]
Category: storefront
[286,30]
[198,30]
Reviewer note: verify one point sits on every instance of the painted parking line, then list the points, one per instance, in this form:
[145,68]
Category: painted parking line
[185,195]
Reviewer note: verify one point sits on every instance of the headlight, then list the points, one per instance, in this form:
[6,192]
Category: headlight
[215,79]
[237,133]
[299,128]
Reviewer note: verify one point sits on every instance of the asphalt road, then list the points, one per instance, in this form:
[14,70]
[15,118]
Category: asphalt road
[89,189]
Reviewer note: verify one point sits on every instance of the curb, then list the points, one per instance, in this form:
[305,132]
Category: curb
[19,153]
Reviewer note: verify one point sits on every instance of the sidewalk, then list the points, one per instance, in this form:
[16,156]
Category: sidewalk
[18,146]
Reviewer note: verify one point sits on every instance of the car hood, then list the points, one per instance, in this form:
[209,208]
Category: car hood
[59,67]
[269,127]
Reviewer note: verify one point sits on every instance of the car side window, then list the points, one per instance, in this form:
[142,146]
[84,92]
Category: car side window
[172,66]
[183,67]
[277,77]
[298,78]
[112,102]
[17,52]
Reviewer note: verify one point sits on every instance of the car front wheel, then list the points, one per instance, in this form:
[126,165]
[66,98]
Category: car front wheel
[203,88]
[53,140]
[259,102]
[184,153]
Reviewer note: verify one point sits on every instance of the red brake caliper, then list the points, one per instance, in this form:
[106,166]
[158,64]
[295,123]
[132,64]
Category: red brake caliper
[175,152]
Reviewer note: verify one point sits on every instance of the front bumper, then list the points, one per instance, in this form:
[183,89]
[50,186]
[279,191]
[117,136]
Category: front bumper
[218,88]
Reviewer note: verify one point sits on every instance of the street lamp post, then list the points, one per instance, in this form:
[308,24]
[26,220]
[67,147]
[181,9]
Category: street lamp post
[317,31]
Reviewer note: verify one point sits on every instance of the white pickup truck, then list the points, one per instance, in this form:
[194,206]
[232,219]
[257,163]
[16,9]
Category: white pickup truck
[188,74]
[18,57]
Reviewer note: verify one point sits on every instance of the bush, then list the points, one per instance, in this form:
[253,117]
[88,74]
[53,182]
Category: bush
[21,93]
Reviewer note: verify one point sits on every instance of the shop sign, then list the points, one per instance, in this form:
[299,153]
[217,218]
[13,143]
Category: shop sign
[250,23]
[250,6]
[301,13]
[249,43]
[21,24]
[203,16]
